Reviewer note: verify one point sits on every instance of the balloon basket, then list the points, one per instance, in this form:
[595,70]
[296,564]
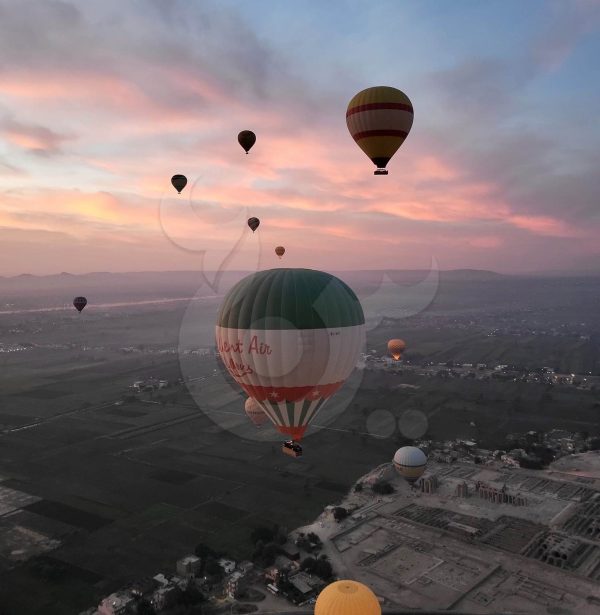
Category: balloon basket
[291,448]
[380,172]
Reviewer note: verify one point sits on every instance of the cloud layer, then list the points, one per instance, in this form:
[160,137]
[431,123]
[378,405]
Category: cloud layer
[101,103]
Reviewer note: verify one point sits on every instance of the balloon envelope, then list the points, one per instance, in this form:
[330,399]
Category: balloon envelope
[179,182]
[79,303]
[247,139]
[253,223]
[347,598]
[410,463]
[255,412]
[379,120]
[280,251]
[290,338]
[396,347]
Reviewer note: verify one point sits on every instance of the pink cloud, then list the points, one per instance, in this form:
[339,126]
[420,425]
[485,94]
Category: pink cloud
[544,225]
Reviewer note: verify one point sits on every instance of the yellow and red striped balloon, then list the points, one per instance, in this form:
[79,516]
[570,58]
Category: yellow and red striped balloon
[379,120]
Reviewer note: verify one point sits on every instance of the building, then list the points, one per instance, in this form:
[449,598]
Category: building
[499,496]
[272,574]
[301,583]
[189,567]
[161,579]
[429,484]
[116,604]
[462,490]
[165,597]
[236,584]
[245,566]
[510,461]
[227,565]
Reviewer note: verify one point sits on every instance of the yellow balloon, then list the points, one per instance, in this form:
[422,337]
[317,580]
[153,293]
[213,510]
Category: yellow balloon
[379,120]
[347,598]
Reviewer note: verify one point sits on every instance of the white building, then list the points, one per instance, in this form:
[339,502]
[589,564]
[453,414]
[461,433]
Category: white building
[227,565]
[164,597]
[116,604]
[161,579]
[189,566]
[235,584]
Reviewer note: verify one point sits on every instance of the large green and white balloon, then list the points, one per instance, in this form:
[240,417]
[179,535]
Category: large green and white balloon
[290,338]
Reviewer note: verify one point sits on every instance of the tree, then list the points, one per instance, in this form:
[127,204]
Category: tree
[266,534]
[358,487]
[339,513]
[191,595]
[382,487]
[212,568]
[144,607]
[270,552]
[595,444]
[308,564]
[323,569]
[314,538]
[258,551]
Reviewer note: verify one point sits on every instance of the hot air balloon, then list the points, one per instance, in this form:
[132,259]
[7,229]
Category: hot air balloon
[179,182]
[410,463]
[280,251]
[379,119]
[396,348]
[290,338]
[79,303]
[255,412]
[253,223]
[347,598]
[247,139]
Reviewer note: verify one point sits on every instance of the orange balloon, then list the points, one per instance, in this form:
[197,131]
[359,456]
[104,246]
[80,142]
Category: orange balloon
[280,251]
[396,348]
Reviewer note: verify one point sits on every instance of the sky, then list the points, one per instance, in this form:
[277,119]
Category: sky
[102,102]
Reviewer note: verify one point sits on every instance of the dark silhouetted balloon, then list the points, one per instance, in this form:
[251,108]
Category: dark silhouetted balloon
[179,182]
[247,139]
[280,251]
[79,303]
[253,223]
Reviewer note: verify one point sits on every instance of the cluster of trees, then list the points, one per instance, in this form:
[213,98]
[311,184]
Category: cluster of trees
[339,513]
[309,541]
[318,566]
[382,487]
[208,562]
[267,544]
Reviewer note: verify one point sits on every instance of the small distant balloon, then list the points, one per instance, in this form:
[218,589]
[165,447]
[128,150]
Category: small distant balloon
[280,251]
[247,139]
[179,182]
[79,303]
[396,347]
[253,223]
